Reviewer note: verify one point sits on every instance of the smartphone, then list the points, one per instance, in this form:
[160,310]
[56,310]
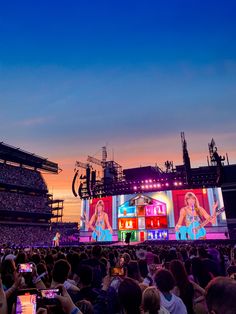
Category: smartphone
[26,301]
[117,271]
[47,296]
[24,268]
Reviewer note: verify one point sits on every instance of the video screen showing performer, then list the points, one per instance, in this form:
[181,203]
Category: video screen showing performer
[99,224]
[193,217]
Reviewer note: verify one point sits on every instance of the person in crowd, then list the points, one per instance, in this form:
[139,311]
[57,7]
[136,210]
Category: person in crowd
[188,291]
[151,302]
[165,282]
[143,268]
[200,272]
[43,273]
[60,275]
[150,256]
[124,260]
[99,269]
[143,286]
[86,292]
[210,259]
[231,271]
[112,259]
[66,302]
[134,272]
[152,269]
[220,296]
[130,296]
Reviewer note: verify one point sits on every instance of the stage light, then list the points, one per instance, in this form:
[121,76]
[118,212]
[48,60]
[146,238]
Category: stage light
[175,183]
[146,181]
[154,185]
[142,187]
[150,180]
[167,184]
[146,186]
[135,187]
[150,186]
[158,185]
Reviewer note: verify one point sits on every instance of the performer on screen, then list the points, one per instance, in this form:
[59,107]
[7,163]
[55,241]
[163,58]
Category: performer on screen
[99,224]
[191,216]
[56,239]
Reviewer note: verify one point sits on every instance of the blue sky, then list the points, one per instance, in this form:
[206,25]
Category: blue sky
[75,75]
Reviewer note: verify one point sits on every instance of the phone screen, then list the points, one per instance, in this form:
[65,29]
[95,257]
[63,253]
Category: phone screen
[49,293]
[47,296]
[26,304]
[25,268]
[117,271]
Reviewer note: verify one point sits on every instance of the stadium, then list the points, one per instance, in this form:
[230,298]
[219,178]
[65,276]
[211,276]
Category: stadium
[29,215]
[144,233]
[146,222]
[143,202]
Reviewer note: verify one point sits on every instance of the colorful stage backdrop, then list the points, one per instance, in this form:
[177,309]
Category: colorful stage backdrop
[175,215]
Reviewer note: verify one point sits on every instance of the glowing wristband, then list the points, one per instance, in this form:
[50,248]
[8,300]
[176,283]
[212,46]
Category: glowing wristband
[75,311]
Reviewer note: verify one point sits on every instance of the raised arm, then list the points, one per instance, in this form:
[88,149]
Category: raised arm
[212,219]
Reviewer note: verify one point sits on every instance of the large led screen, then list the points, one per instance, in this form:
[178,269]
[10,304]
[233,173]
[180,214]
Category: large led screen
[100,219]
[176,215]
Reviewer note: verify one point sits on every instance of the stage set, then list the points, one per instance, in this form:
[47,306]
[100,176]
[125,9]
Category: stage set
[178,203]
[155,216]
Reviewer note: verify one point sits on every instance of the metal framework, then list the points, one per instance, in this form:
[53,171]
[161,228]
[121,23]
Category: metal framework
[150,179]
[21,157]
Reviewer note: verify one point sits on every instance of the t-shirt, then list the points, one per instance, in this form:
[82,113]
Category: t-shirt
[174,306]
[163,311]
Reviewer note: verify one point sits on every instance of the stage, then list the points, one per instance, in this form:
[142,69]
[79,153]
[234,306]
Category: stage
[144,244]
[212,233]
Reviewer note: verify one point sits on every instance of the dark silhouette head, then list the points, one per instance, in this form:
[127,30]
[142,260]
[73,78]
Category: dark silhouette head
[130,296]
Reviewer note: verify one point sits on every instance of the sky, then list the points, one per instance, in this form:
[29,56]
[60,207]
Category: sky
[78,75]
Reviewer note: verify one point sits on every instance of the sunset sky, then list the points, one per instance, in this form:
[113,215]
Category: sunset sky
[78,75]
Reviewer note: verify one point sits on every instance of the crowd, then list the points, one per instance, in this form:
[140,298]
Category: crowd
[127,280]
[20,176]
[13,201]
[27,236]
[22,236]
